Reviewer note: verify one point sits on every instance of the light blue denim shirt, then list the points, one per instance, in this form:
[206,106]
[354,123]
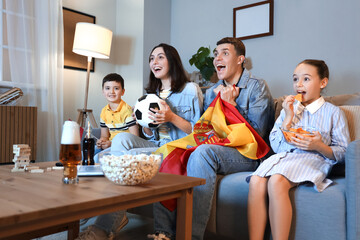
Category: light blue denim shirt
[187,104]
[254,102]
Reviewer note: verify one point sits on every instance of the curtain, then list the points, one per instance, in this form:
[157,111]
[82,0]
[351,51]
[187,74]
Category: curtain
[34,33]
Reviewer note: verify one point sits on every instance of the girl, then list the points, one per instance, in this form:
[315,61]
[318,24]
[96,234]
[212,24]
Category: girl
[304,158]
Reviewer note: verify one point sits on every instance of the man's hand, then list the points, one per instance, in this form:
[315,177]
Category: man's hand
[229,94]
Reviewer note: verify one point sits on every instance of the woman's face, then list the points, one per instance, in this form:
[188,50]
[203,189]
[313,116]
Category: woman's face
[159,64]
[308,83]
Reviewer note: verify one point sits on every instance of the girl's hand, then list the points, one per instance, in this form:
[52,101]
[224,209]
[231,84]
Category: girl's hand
[161,116]
[289,111]
[308,142]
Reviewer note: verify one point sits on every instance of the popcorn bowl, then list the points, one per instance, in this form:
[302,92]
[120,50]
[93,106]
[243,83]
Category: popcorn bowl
[304,131]
[130,167]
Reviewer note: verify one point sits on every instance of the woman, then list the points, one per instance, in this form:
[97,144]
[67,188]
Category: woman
[182,102]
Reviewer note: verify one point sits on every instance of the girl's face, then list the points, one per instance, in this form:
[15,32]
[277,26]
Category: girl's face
[307,82]
[159,64]
[113,91]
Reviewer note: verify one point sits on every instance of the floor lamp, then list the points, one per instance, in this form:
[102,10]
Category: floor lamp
[93,41]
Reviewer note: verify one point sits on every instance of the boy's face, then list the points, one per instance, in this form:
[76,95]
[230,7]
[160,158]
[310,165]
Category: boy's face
[227,63]
[113,91]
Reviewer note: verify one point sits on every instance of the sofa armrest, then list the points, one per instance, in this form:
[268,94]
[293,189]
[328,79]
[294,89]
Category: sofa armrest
[352,175]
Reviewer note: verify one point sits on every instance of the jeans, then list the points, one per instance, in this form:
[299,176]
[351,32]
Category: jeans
[205,162]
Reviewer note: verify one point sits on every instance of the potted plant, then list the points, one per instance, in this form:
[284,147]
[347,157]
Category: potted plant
[204,62]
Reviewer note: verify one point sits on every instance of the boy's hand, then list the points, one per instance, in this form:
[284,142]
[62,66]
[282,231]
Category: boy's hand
[103,143]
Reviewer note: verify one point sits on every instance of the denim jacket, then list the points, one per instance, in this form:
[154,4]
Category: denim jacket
[254,103]
[187,104]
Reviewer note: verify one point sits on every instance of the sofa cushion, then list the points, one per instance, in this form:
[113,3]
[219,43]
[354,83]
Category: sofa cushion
[352,114]
[311,212]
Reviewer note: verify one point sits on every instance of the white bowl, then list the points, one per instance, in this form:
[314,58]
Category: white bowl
[130,168]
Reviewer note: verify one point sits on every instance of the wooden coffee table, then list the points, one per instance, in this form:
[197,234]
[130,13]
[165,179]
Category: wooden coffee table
[37,204]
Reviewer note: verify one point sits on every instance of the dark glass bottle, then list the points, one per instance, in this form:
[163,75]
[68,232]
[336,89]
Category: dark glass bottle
[88,148]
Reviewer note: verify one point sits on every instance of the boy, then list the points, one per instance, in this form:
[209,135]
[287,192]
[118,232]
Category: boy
[116,116]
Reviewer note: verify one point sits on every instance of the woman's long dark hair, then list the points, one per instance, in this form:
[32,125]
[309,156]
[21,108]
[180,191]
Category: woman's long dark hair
[176,71]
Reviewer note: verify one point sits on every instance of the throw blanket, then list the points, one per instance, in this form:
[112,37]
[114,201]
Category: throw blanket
[221,124]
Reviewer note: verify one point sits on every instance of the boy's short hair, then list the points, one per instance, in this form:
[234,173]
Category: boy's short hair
[113,77]
[236,42]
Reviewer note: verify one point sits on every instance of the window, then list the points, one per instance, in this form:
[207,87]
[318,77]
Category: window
[17,42]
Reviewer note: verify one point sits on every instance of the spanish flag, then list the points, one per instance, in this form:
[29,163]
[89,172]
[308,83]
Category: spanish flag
[221,124]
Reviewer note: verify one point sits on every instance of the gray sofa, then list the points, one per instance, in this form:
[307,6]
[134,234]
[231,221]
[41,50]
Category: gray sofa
[333,214]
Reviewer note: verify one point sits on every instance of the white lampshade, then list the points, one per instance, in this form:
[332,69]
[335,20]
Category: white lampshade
[92,40]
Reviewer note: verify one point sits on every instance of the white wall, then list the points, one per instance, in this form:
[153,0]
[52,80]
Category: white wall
[322,29]
[74,80]
[137,27]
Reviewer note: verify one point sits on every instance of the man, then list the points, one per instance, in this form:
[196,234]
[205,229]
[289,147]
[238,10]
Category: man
[252,98]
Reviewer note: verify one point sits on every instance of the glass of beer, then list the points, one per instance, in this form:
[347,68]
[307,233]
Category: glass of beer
[70,151]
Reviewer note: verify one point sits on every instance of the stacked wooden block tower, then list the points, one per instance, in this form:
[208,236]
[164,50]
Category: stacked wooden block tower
[22,153]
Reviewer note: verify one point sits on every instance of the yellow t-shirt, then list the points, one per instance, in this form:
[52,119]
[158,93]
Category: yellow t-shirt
[117,121]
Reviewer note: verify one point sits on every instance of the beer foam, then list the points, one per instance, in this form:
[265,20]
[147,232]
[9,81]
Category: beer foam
[70,133]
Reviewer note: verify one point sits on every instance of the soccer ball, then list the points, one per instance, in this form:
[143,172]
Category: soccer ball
[142,107]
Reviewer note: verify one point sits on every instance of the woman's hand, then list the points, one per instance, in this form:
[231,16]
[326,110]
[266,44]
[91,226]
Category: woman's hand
[289,111]
[161,116]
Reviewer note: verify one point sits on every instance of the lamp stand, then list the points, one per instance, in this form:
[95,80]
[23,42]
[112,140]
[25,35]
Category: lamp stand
[83,113]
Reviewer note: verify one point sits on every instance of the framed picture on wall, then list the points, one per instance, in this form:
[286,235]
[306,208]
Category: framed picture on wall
[253,20]
[71,59]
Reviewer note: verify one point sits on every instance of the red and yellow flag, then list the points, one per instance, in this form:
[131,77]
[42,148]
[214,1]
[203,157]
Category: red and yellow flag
[221,124]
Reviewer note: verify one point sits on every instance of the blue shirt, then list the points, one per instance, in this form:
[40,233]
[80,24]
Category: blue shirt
[187,104]
[254,102]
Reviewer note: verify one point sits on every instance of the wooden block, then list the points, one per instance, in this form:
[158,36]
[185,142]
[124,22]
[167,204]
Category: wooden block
[18,170]
[57,168]
[37,171]
[29,168]
[21,152]
[21,158]
[22,146]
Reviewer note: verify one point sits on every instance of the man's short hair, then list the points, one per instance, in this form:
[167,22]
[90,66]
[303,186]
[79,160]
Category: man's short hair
[236,42]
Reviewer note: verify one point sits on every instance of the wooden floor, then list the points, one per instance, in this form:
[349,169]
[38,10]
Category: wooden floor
[137,228]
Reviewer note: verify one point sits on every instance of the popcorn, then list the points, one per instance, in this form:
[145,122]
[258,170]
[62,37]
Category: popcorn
[130,169]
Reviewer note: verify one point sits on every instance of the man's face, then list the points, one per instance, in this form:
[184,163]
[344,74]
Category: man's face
[227,63]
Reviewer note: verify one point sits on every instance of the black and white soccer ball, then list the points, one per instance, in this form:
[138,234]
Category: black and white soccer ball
[142,108]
